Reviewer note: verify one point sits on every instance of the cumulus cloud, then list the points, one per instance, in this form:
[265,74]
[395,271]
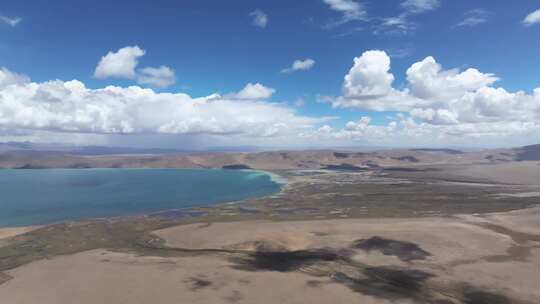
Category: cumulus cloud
[157,77]
[123,64]
[350,10]
[11,21]
[420,6]
[70,106]
[439,101]
[406,131]
[532,18]
[252,91]
[369,76]
[475,17]
[361,130]
[119,64]
[300,65]
[8,78]
[260,18]
[368,85]
[428,80]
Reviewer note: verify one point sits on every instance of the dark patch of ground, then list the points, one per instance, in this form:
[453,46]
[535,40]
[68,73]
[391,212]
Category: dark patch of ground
[371,164]
[405,251]
[447,151]
[178,214]
[314,283]
[283,261]
[4,278]
[405,169]
[236,167]
[79,166]
[264,246]
[407,158]
[410,279]
[387,282]
[494,158]
[297,210]
[198,283]
[248,210]
[31,167]
[474,295]
[343,167]
[341,155]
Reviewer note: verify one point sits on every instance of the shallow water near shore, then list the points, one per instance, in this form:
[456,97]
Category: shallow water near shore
[36,197]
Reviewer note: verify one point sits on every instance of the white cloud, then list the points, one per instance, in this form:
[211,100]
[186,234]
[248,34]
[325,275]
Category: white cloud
[532,18]
[8,78]
[260,18]
[406,132]
[255,91]
[420,6]
[123,64]
[361,130]
[157,77]
[440,102]
[428,81]
[11,21]
[300,65]
[350,9]
[325,129]
[398,25]
[119,64]
[475,17]
[369,76]
[368,85]
[401,24]
[69,106]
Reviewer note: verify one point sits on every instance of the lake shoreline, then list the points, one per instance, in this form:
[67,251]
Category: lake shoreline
[103,195]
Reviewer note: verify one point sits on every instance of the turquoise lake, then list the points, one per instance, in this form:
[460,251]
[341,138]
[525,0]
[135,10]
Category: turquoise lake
[35,197]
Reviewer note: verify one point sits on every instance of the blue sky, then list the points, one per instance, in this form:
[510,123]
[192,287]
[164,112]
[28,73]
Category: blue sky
[216,46]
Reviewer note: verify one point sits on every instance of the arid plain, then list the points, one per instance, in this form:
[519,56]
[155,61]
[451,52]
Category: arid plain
[397,226]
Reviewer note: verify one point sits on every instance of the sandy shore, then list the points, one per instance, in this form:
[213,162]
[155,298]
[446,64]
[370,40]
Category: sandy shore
[14,231]
[6,233]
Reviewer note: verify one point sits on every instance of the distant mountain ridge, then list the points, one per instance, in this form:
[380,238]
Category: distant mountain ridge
[29,155]
[104,150]
[531,152]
